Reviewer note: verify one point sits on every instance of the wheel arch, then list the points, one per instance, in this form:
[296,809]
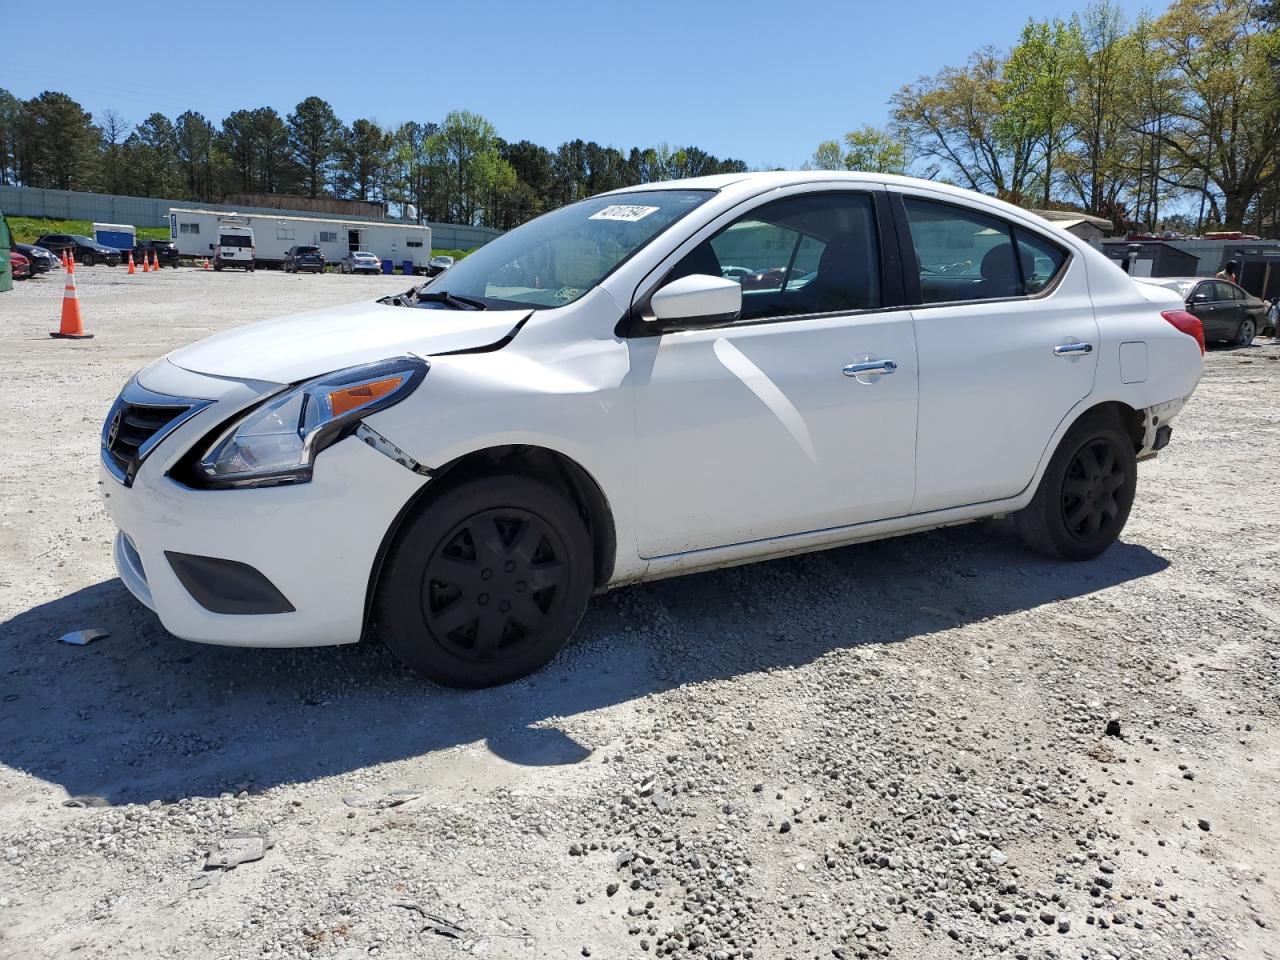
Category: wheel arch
[1130,418]
[532,461]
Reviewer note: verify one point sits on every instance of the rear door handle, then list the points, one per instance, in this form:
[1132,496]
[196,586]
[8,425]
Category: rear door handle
[1071,349]
[870,366]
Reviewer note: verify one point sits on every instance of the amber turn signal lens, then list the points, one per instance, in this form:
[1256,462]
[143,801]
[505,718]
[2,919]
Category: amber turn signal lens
[347,399]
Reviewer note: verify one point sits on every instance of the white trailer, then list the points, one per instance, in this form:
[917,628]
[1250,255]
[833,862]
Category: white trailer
[196,231]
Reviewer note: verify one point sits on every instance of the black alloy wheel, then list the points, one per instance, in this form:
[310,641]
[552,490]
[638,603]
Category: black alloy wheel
[485,582]
[1094,477]
[1086,492]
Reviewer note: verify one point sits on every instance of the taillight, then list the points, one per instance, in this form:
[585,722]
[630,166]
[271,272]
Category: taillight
[1188,323]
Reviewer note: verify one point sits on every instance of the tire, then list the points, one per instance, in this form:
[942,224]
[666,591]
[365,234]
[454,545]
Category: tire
[462,574]
[88,259]
[1085,495]
[1248,330]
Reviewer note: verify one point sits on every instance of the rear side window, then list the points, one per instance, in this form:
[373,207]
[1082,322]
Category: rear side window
[963,254]
[1040,260]
[811,254]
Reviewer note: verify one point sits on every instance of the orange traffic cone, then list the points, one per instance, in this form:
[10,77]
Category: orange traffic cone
[155,263]
[72,327]
[131,267]
[146,264]
[206,264]
[64,259]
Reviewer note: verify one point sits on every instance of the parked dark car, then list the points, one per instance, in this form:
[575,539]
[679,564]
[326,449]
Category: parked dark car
[1226,310]
[85,250]
[19,264]
[304,256]
[166,250]
[42,260]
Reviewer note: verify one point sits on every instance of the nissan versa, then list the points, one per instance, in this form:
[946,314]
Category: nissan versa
[596,399]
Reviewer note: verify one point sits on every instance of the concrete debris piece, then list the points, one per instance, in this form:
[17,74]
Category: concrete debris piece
[385,801]
[85,801]
[235,849]
[81,637]
[200,881]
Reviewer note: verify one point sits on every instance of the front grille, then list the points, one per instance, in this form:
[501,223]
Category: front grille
[138,421]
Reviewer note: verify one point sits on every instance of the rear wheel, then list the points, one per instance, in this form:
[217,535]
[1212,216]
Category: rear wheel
[1248,330]
[1085,496]
[486,583]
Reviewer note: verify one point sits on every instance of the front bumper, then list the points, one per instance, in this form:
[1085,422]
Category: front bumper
[316,542]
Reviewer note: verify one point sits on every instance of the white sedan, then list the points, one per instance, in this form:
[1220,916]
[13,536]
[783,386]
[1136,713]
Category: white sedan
[359,261]
[588,401]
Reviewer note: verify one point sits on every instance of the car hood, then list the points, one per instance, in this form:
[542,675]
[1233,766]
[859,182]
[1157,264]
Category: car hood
[304,345]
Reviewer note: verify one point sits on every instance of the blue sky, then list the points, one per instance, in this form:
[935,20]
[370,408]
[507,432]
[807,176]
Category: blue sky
[761,81]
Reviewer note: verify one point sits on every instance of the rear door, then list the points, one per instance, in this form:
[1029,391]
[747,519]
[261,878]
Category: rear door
[1007,346]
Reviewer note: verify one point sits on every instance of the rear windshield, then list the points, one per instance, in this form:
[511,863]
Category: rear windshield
[308,249]
[235,240]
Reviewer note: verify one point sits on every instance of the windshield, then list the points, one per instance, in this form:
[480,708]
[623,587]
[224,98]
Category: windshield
[86,240]
[558,257]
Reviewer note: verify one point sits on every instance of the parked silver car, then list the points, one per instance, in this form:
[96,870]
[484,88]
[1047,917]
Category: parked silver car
[438,265]
[359,261]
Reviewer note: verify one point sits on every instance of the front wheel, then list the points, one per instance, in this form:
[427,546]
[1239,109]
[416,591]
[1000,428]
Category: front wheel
[1248,330]
[486,583]
[88,259]
[1085,495]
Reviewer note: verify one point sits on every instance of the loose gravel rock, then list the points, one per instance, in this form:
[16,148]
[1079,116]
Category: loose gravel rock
[935,746]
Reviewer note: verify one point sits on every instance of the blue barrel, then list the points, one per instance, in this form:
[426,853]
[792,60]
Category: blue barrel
[407,268]
[388,266]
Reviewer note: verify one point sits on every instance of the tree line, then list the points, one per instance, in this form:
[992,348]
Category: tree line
[1125,119]
[455,171]
[1118,118]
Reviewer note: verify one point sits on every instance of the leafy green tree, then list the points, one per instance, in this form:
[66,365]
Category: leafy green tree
[313,139]
[1099,163]
[114,164]
[1038,89]
[869,149]
[1228,98]
[60,143]
[10,125]
[152,152]
[955,122]
[195,140]
[362,159]
[463,137]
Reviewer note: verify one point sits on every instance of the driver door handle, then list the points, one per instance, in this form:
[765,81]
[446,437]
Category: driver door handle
[1071,349]
[870,366]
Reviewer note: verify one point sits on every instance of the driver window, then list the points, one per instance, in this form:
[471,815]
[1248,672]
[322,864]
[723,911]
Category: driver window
[804,255]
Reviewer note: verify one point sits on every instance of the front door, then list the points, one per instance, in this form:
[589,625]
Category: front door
[1007,343]
[798,417]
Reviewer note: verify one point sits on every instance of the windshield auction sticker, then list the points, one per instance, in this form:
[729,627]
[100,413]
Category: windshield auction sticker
[623,211]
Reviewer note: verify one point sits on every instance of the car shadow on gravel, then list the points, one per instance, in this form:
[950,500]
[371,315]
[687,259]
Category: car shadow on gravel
[140,716]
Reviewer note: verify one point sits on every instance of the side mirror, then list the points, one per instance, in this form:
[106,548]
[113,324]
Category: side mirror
[697,300]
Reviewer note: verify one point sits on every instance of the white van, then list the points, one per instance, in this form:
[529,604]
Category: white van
[234,248]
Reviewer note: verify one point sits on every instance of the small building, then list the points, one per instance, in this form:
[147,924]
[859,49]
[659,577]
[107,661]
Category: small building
[1151,258]
[122,236]
[1082,225]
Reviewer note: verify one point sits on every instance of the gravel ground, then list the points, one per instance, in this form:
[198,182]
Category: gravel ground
[895,749]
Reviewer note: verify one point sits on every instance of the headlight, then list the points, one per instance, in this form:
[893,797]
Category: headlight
[277,442]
